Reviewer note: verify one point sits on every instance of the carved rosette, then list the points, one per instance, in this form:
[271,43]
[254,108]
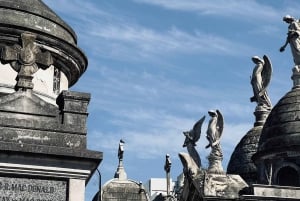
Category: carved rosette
[26,59]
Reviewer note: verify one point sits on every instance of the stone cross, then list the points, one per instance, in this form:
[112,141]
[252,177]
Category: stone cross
[26,60]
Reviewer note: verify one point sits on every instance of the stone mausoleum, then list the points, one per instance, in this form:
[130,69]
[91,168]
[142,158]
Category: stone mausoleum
[43,150]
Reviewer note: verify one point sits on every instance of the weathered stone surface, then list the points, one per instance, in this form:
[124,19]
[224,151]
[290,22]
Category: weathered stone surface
[223,186]
[53,34]
[207,186]
[31,10]
[35,132]
[241,162]
[43,151]
[268,192]
[123,190]
[32,189]
[27,119]
[282,130]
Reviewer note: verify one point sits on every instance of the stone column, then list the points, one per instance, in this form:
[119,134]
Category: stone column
[76,189]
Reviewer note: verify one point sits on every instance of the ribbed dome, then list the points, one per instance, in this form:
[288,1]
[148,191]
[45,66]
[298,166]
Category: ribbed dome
[241,159]
[281,133]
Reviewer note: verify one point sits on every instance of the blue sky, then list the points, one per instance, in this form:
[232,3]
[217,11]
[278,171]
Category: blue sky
[157,66]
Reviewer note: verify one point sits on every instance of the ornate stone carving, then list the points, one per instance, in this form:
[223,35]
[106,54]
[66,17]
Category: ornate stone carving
[260,80]
[214,133]
[191,137]
[26,59]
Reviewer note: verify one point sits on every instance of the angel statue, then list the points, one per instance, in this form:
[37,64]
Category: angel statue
[214,133]
[293,38]
[191,137]
[260,80]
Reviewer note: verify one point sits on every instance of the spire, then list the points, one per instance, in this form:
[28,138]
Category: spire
[120,173]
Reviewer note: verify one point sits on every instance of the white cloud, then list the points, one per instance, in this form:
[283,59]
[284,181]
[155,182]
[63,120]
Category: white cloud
[119,37]
[230,8]
[132,41]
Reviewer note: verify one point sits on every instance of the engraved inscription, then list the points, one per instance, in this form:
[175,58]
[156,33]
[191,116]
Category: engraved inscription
[23,189]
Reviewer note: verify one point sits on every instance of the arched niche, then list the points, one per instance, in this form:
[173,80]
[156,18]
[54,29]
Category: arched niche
[288,175]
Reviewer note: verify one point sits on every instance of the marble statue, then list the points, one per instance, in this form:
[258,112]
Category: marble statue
[260,80]
[293,38]
[191,137]
[214,133]
[120,173]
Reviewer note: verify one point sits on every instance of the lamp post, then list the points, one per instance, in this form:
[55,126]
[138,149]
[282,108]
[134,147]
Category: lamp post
[99,188]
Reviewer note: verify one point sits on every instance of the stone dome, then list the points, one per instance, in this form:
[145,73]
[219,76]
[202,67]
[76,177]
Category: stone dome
[241,159]
[281,132]
[38,17]
[52,34]
[241,162]
[278,155]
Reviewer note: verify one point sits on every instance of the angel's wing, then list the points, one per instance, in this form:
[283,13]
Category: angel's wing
[220,124]
[267,71]
[197,129]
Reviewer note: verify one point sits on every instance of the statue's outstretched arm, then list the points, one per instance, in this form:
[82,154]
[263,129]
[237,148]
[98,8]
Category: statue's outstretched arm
[282,48]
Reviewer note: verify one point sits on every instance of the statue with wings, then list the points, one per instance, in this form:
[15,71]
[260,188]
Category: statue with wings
[214,133]
[191,137]
[260,80]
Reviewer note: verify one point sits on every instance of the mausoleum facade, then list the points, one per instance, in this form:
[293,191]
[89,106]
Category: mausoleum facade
[43,150]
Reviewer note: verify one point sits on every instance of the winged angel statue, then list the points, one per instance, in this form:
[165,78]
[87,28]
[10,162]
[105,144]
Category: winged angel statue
[260,80]
[214,133]
[191,137]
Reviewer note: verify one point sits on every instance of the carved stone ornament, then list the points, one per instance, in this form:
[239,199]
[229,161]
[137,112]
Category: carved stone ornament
[214,133]
[191,137]
[26,60]
[260,80]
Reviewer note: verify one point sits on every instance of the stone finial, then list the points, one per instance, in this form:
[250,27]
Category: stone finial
[214,133]
[26,59]
[120,173]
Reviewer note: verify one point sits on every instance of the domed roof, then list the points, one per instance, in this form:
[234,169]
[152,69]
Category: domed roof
[52,34]
[281,132]
[117,189]
[39,17]
[240,162]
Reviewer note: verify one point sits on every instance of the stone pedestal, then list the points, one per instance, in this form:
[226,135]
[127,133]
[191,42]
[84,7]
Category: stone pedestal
[271,192]
[222,186]
[43,153]
[296,77]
